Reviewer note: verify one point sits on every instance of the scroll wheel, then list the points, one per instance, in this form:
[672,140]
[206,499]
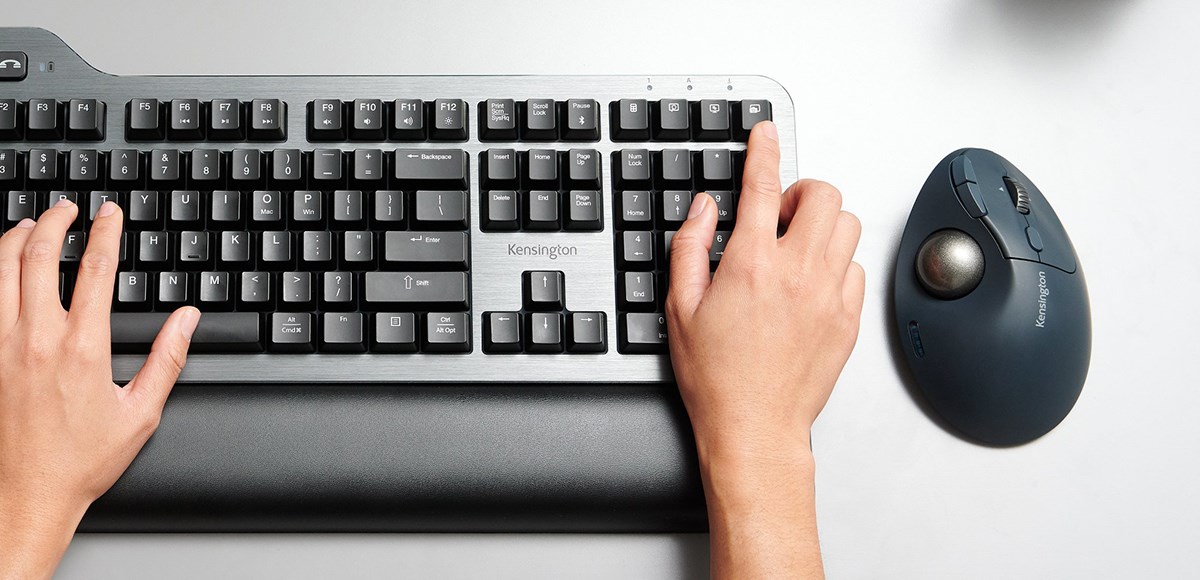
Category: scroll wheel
[1018,193]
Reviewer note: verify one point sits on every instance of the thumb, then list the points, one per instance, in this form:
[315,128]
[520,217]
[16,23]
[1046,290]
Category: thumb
[689,256]
[153,382]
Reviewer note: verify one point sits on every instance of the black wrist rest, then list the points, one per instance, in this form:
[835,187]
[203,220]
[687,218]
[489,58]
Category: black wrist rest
[412,458]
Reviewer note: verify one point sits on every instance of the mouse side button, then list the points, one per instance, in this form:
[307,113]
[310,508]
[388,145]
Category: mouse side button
[971,198]
[962,170]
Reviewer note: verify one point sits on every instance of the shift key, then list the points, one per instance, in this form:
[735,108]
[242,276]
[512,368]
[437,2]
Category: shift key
[431,168]
[401,288]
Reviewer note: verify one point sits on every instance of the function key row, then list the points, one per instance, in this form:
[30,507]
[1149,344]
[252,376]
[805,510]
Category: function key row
[51,120]
[215,120]
[378,120]
[683,120]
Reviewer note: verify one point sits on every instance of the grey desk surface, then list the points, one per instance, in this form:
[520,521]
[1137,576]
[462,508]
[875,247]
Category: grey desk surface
[1096,100]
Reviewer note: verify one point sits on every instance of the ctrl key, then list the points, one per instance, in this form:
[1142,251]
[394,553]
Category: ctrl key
[447,332]
[291,332]
[643,333]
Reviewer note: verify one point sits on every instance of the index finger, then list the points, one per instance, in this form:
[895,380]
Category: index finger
[758,210]
[92,300]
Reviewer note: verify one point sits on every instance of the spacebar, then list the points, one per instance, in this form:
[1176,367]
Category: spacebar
[134,332]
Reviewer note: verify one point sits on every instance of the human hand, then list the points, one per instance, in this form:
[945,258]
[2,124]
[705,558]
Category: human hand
[67,431]
[757,350]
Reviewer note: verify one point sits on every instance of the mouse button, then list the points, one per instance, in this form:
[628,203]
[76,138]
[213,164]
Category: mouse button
[962,170]
[1034,237]
[1056,249]
[971,198]
[1008,229]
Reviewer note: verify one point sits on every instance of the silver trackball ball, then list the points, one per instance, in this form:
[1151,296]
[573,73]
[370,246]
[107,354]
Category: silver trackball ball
[949,264]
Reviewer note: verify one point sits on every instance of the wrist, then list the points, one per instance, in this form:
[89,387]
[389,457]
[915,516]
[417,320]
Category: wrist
[34,533]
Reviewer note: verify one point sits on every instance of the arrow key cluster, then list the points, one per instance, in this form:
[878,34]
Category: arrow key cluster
[544,326]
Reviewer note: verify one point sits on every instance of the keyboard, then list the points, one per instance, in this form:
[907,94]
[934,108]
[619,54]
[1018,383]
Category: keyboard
[473,232]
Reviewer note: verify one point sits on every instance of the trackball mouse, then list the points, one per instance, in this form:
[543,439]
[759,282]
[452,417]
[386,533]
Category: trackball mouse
[991,306]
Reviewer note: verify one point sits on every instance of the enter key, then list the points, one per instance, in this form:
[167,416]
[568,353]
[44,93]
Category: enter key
[443,250]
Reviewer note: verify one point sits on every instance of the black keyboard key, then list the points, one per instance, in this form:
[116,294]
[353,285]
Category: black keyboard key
[343,332]
[255,291]
[337,290]
[717,251]
[206,166]
[43,121]
[426,249]
[164,166]
[325,120]
[173,290]
[582,121]
[408,120]
[97,199]
[327,165]
[226,208]
[637,250]
[583,210]
[225,120]
[18,206]
[395,332]
[583,168]
[500,210]
[297,291]
[716,167]
[245,167]
[502,332]
[635,208]
[748,114]
[632,167]
[358,249]
[498,120]
[441,209]
[316,250]
[83,166]
[124,166]
[543,331]
[72,249]
[637,291]
[544,290]
[216,291]
[368,165]
[348,211]
[725,202]
[85,120]
[449,120]
[291,332]
[674,167]
[541,210]
[266,209]
[43,165]
[585,332]
[712,120]
[499,168]
[431,168]
[276,250]
[10,166]
[366,120]
[144,209]
[389,209]
[643,333]
[542,167]
[407,288]
[144,120]
[154,252]
[541,120]
[287,166]
[194,251]
[215,332]
[447,332]
[133,292]
[308,210]
[631,120]
[674,207]
[185,209]
[11,127]
[185,124]
[671,120]
[235,250]
[268,120]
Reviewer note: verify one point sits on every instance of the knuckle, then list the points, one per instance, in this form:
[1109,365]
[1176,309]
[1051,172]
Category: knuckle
[39,252]
[826,194]
[37,351]
[96,265]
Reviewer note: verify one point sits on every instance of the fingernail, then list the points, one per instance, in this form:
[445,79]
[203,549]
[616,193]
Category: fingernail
[191,317]
[106,209]
[698,204]
[770,131]
[64,202]
[26,223]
